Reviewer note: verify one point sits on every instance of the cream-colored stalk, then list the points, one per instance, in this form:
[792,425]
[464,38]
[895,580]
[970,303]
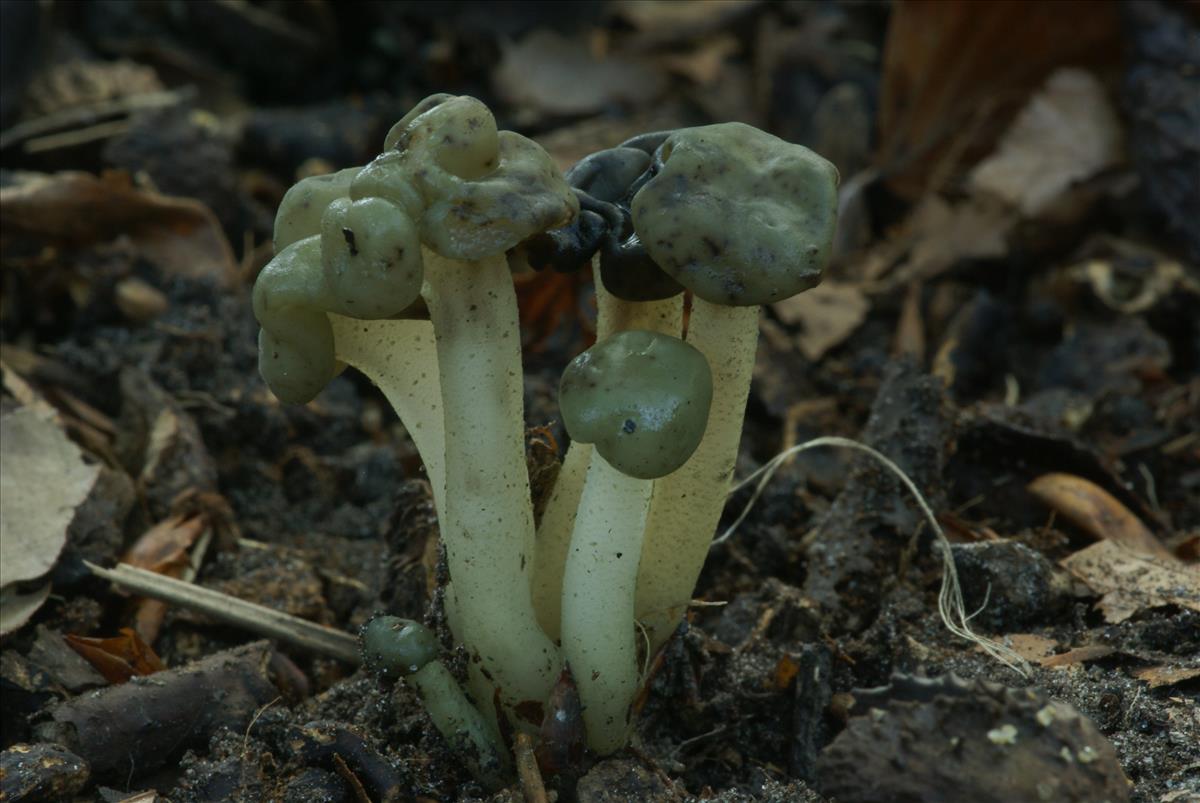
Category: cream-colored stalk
[599,580]
[642,398]
[400,356]
[686,506]
[558,519]
[487,514]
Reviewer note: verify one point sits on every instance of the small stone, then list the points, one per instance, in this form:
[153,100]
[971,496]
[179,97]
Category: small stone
[138,301]
[41,772]
[1005,734]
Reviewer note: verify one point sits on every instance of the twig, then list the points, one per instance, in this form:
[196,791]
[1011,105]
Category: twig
[229,610]
[360,794]
[950,600]
[527,770]
[88,115]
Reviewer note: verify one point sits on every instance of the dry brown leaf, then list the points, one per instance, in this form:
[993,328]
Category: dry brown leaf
[1068,132]
[162,549]
[1159,676]
[1030,646]
[25,393]
[43,479]
[16,608]
[946,235]
[1131,582]
[786,669]
[938,235]
[119,658]
[1078,655]
[547,73]
[164,546]
[180,235]
[660,14]
[952,76]
[1097,512]
[910,329]
[827,315]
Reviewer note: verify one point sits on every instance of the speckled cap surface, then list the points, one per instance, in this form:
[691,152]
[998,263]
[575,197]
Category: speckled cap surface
[482,191]
[738,215]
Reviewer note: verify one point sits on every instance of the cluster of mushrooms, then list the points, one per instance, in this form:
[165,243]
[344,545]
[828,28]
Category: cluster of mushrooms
[402,269]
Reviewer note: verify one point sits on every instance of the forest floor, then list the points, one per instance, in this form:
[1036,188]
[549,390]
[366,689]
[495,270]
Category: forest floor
[1011,317]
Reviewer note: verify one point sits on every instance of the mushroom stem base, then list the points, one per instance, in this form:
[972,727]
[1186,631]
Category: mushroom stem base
[598,635]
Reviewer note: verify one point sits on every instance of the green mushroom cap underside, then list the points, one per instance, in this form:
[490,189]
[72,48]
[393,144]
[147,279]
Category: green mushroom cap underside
[300,212]
[393,646]
[738,216]
[642,398]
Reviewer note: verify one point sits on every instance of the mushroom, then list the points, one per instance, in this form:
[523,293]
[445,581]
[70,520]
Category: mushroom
[300,211]
[394,647]
[642,399]
[454,194]
[631,293]
[740,218]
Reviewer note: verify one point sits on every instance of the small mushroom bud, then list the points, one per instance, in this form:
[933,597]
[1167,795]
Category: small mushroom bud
[392,646]
[642,398]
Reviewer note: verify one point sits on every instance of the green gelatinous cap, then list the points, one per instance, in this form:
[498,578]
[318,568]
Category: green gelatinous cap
[394,646]
[737,215]
[371,255]
[295,346]
[482,190]
[300,212]
[642,398]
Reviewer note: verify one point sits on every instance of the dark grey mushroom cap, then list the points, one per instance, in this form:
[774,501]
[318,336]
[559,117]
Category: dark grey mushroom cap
[642,398]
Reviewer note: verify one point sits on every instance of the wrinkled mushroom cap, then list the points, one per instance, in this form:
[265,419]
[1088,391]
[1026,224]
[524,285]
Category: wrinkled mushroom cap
[300,212]
[295,345]
[642,398]
[738,216]
[393,646]
[371,256]
[481,191]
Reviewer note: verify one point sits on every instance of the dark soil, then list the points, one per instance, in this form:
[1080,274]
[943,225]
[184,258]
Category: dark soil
[818,667]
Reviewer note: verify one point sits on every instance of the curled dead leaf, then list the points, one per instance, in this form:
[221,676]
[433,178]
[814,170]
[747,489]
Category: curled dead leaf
[180,235]
[1068,132]
[118,658]
[951,80]
[1078,655]
[827,314]
[1131,582]
[1159,676]
[1097,512]
[43,479]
